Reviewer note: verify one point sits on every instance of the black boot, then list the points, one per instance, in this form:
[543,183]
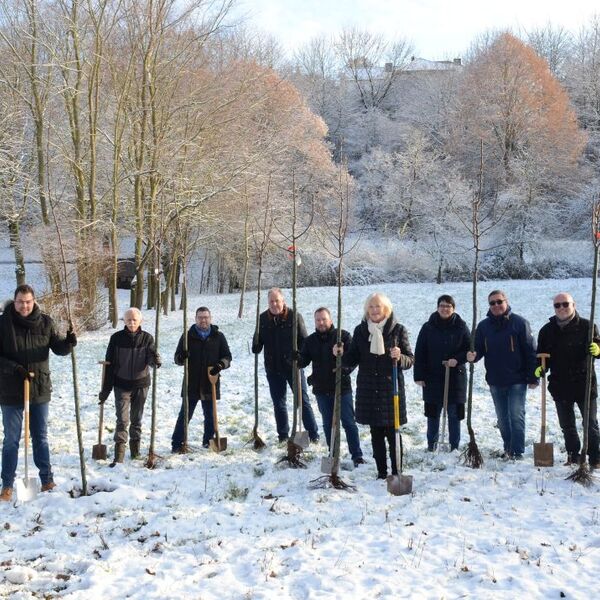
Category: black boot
[119,453]
[134,448]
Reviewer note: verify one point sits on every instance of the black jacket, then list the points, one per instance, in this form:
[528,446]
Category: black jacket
[374,386]
[318,349]
[130,355]
[568,349]
[275,336]
[439,340]
[203,353]
[27,342]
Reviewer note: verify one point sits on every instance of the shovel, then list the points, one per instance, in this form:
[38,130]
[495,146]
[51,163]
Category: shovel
[218,443]
[27,487]
[398,485]
[543,453]
[443,446]
[301,438]
[99,449]
[328,463]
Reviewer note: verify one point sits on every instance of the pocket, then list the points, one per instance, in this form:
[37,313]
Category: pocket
[42,383]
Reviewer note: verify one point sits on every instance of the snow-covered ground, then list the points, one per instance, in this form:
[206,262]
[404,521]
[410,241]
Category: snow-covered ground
[238,525]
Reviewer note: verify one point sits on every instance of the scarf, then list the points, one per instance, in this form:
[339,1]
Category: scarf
[376,336]
[202,333]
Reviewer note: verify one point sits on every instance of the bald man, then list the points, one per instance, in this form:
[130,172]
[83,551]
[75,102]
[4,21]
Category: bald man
[565,338]
[131,352]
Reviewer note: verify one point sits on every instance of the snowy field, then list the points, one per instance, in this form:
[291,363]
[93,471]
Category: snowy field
[237,525]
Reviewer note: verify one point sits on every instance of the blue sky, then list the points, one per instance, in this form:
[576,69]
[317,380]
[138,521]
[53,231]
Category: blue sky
[438,29]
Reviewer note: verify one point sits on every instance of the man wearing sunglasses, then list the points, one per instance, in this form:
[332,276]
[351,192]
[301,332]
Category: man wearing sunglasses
[504,340]
[565,338]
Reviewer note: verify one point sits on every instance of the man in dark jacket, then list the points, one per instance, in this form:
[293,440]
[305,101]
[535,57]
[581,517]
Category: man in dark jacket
[130,353]
[320,349]
[275,332]
[445,338]
[26,337]
[206,347]
[504,339]
[565,338]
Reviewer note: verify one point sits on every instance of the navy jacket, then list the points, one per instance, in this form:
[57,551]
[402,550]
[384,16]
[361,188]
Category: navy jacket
[439,340]
[508,348]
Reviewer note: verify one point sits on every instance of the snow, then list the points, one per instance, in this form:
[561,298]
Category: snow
[238,525]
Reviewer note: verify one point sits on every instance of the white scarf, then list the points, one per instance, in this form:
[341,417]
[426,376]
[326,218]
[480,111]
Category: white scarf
[376,336]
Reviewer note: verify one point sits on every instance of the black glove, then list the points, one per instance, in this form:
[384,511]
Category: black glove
[22,372]
[156,361]
[295,355]
[217,368]
[103,396]
[71,338]
[184,354]
[309,380]
[256,348]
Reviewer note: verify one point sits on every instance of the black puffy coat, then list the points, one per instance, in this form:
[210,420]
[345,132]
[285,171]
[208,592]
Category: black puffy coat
[318,349]
[130,355]
[27,341]
[203,353]
[568,349]
[275,336]
[374,386]
[439,340]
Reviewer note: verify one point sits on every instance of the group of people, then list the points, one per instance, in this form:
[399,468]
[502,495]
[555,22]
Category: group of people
[379,344]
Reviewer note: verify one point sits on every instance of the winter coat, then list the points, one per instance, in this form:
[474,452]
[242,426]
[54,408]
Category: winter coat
[130,355]
[203,353]
[27,341]
[275,336]
[568,349]
[318,349]
[439,340]
[508,347]
[374,386]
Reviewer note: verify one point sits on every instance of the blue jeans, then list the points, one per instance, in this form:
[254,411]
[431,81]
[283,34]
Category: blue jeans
[278,383]
[433,427]
[209,428]
[325,403]
[12,421]
[509,401]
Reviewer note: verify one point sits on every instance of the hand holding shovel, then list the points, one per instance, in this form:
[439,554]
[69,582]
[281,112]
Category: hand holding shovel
[27,487]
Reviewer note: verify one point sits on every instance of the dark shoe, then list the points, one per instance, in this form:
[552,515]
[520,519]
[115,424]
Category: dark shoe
[206,444]
[594,464]
[381,475]
[315,440]
[175,449]
[6,494]
[572,459]
[134,448]
[359,460]
[119,454]
[48,487]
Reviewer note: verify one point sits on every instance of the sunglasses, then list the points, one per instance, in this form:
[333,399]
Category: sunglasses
[497,302]
[563,304]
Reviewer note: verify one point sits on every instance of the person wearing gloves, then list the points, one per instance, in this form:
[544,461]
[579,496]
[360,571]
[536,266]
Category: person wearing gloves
[130,354]
[206,347]
[26,337]
[504,340]
[378,341]
[565,339]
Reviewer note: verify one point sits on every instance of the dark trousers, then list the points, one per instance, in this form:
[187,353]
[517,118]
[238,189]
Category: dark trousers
[326,402]
[433,425]
[378,438]
[209,427]
[565,409]
[12,421]
[129,405]
[278,383]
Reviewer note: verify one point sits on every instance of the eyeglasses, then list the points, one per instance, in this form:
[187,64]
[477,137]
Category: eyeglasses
[445,306]
[563,304]
[497,302]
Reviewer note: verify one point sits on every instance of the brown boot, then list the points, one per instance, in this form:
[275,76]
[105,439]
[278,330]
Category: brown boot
[134,448]
[48,487]
[119,453]
[6,494]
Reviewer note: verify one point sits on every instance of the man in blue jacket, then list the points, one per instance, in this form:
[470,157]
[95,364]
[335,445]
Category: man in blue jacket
[505,342]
